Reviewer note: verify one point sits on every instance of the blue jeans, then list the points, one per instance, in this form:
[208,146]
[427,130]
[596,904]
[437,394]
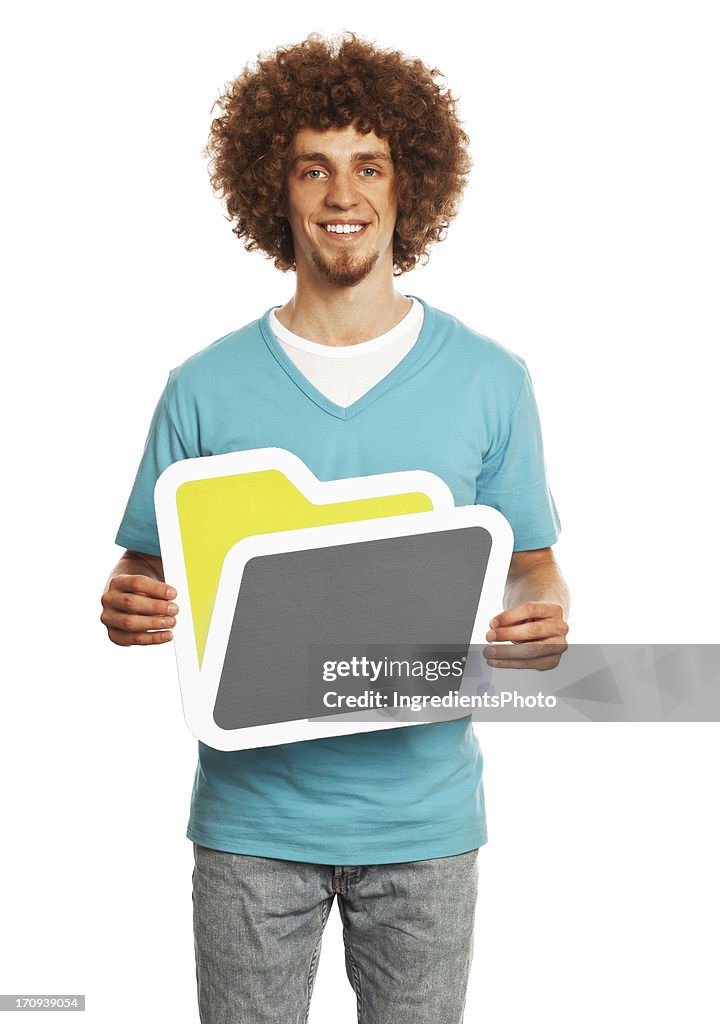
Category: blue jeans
[258,924]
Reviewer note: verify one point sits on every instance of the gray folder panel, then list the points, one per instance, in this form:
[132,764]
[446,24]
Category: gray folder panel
[420,590]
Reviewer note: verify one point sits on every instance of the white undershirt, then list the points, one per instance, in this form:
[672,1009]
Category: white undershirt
[344,373]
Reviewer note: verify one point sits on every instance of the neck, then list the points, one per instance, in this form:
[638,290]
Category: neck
[334,315]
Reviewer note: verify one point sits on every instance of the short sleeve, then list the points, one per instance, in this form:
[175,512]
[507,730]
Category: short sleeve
[513,478]
[164,446]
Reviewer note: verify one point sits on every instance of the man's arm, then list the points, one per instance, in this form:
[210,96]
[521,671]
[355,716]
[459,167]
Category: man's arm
[537,603]
[137,601]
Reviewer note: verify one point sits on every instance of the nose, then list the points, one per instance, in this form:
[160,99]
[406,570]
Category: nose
[341,190]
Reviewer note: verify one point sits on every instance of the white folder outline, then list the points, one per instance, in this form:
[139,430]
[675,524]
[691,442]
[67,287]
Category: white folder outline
[199,685]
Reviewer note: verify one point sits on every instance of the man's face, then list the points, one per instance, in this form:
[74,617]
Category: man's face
[341,204]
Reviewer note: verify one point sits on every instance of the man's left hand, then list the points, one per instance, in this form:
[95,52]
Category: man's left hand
[537,631]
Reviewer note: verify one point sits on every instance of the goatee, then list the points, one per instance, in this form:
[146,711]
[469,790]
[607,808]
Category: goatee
[345,270]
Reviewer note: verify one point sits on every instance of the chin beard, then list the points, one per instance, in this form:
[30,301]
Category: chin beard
[345,270]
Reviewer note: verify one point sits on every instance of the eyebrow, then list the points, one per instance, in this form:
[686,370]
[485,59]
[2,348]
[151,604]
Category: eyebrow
[358,157]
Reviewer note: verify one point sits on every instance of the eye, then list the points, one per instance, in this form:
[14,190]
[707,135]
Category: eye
[373,172]
[313,171]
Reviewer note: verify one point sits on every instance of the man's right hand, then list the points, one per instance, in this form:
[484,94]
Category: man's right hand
[135,604]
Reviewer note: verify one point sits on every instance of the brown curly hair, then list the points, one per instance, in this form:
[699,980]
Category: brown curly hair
[332,83]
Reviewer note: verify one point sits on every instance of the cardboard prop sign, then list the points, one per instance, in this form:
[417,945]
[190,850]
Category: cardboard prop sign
[273,566]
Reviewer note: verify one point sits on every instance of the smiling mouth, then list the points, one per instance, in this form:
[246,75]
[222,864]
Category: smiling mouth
[343,231]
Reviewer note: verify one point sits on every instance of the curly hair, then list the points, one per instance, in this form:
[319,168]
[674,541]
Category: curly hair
[333,83]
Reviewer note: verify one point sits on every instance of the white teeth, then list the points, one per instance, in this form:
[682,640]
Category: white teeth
[344,229]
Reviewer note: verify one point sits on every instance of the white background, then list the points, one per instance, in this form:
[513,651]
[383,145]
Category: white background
[588,243]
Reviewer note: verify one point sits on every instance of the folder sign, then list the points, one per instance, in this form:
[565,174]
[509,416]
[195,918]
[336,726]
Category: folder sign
[275,568]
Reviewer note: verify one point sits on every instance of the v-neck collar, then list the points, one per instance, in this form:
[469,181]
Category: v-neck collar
[383,385]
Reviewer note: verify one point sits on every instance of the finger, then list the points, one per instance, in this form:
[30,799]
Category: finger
[143,585]
[539,631]
[522,655]
[137,604]
[124,639]
[539,664]
[128,623]
[526,612]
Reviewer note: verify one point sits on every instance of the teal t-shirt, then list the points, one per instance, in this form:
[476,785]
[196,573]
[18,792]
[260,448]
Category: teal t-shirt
[458,405]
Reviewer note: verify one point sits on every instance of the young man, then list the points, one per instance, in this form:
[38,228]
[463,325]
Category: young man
[344,163]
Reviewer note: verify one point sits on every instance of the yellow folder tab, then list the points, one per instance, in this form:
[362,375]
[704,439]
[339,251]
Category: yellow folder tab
[216,512]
